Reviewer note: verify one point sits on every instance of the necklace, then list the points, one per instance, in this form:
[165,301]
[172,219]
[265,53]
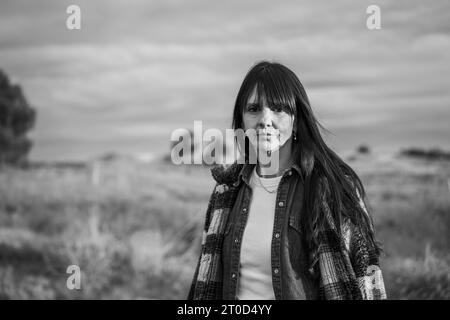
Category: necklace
[259,183]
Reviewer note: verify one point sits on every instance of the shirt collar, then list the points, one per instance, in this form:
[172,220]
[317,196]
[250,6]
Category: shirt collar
[247,170]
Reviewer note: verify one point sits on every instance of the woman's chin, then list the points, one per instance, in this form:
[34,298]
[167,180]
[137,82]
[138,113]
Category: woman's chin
[267,147]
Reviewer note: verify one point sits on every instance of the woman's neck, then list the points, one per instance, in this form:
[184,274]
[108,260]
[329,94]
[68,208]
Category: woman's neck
[275,164]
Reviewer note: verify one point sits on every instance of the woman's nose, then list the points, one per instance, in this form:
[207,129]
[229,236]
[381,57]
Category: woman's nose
[266,118]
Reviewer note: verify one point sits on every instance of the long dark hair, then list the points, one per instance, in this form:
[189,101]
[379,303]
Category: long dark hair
[325,173]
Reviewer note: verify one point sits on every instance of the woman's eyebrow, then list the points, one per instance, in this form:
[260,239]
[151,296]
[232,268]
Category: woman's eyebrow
[253,104]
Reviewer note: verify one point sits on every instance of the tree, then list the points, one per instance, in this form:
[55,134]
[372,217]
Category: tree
[16,119]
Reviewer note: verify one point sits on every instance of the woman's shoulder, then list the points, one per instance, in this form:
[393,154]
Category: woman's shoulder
[226,173]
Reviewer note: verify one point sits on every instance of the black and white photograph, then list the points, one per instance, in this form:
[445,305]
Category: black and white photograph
[225,150]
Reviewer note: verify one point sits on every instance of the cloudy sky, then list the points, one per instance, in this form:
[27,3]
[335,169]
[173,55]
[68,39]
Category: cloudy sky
[137,70]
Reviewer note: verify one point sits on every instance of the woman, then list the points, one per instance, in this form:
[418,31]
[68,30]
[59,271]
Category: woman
[291,224]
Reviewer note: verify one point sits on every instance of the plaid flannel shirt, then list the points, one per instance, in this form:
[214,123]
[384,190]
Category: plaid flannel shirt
[348,266]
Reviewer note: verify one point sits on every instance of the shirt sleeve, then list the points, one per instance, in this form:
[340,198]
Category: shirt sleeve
[205,229]
[365,260]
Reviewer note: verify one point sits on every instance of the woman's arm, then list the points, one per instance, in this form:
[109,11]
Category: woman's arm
[205,229]
[365,260]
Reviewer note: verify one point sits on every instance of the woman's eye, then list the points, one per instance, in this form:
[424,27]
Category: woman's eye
[252,109]
[277,108]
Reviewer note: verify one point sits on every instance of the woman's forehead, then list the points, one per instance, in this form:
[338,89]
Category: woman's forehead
[255,96]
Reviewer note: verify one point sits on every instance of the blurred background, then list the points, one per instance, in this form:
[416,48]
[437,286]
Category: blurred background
[86,117]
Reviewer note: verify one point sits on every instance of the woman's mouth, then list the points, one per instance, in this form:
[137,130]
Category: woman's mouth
[265,133]
[265,136]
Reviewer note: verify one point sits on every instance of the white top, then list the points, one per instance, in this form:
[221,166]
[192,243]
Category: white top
[255,282]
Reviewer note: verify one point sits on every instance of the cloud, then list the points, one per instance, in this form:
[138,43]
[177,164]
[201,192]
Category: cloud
[136,68]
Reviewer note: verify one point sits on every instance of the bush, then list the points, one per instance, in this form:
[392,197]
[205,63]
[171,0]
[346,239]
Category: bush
[16,118]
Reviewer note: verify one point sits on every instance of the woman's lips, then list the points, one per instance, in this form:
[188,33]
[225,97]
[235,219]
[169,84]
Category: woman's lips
[265,133]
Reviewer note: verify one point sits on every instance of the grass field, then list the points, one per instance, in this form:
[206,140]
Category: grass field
[134,229]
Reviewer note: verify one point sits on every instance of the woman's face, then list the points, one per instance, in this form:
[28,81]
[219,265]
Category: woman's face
[272,125]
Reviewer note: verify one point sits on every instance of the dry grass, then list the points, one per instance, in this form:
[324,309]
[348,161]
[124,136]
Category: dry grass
[134,229]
